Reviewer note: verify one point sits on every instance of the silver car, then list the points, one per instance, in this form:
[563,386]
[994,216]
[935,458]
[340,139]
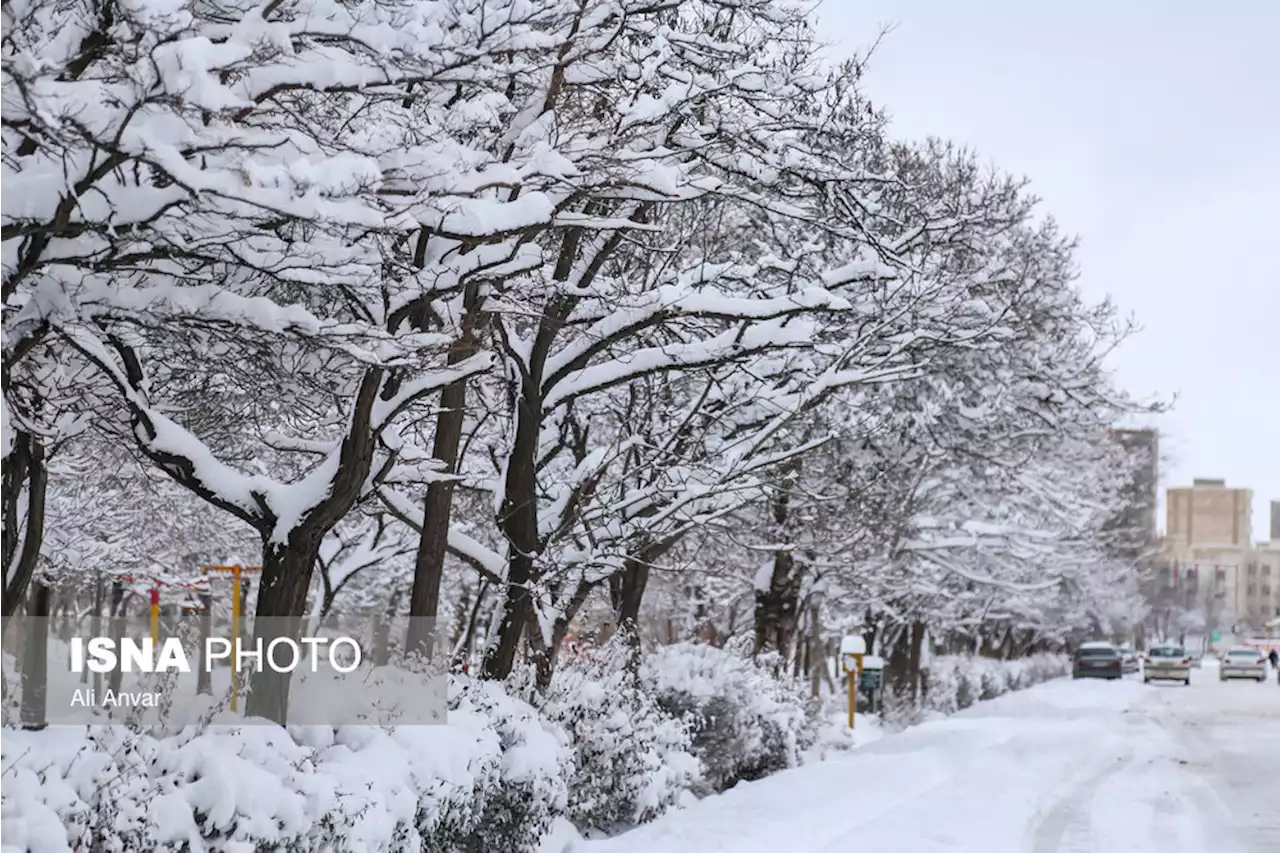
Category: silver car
[1243,662]
[1166,663]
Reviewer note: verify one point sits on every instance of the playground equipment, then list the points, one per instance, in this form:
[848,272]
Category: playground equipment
[236,571]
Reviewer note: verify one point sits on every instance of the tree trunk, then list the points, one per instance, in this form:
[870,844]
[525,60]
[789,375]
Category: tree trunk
[382,640]
[433,543]
[35,664]
[118,619]
[898,665]
[626,589]
[917,643]
[777,610]
[545,656]
[24,470]
[467,647]
[519,523]
[282,600]
[204,678]
[817,659]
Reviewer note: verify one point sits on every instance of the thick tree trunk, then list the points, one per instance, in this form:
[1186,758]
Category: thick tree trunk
[24,472]
[35,663]
[282,600]
[433,543]
[519,523]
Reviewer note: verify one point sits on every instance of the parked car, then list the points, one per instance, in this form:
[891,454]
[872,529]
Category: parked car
[1130,661]
[1097,660]
[1243,662]
[1167,663]
[1196,660]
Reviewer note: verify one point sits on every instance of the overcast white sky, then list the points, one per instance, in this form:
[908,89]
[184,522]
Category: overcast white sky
[1150,128]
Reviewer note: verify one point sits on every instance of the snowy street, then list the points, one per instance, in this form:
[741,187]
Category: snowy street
[1067,767]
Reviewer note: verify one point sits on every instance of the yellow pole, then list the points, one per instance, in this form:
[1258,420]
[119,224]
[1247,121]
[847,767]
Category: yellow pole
[853,692]
[155,616]
[235,634]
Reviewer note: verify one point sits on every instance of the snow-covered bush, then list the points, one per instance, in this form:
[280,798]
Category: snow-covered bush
[527,788]
[632,760]
[746,723]
[955,682]
[491,779]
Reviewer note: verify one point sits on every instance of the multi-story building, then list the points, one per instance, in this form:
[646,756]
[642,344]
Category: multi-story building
[1210,514]
[1262,583]
[1207,548]
[1275,521]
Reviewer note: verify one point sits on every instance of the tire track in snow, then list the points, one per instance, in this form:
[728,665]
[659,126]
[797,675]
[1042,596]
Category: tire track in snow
[1067,827]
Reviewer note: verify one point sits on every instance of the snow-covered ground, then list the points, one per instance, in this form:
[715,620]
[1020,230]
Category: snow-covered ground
[1066,767]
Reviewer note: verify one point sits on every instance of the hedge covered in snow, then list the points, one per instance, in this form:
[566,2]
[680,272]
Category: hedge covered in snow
[955,682]
[492,779]
[603,746]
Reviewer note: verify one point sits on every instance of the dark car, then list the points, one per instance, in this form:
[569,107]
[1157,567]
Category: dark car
[1098,660]
[1130,661]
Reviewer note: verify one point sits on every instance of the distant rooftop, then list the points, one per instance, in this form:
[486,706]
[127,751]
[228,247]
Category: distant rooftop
[1206,481]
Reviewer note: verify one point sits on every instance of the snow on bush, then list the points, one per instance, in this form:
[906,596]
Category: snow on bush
[746,723]
[955,682]
[632,759]
[491,779]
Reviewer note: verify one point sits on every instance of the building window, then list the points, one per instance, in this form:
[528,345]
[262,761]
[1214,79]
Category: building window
[1266,592]
[1253,569]
[1266,570]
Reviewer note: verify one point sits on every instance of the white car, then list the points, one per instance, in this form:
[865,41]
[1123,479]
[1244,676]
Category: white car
[1243,662]
[1166,663]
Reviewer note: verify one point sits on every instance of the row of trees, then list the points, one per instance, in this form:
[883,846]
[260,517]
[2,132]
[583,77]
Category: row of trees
[524,304]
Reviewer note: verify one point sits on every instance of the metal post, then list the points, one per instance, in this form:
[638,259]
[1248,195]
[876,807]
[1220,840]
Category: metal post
[853,694]
[155,615]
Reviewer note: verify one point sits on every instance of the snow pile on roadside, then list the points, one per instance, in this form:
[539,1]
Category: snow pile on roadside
[955,682]
[492,779]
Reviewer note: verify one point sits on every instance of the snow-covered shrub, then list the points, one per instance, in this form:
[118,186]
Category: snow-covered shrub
[956,682]
[632,760]
[520,801]
[993,676]
[746,723]
[491,779]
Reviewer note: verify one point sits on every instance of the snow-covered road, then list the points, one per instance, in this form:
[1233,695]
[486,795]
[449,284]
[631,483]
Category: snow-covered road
[1067,767]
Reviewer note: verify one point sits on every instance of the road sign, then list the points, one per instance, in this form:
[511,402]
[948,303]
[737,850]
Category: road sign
[1215,636]
[869,679]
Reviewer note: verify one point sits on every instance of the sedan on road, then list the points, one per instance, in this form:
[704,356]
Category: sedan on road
[1243,662]
[1098,660]
[1166,663]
